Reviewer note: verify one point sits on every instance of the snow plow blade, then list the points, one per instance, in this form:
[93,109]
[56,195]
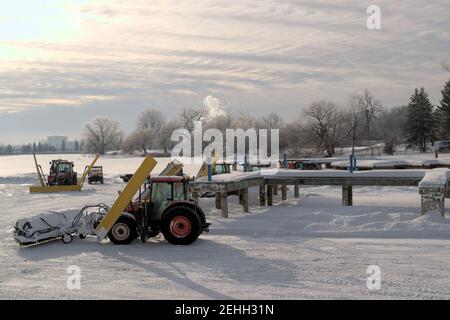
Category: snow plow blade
[51,189]
[125,197]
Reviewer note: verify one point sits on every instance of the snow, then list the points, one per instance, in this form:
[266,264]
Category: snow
[232,176]
[309,248]
[435,178]
[287,173]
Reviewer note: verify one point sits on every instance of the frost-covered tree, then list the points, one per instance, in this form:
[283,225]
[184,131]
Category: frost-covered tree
[327,125]
[421,121]
[370,108]
[101,135]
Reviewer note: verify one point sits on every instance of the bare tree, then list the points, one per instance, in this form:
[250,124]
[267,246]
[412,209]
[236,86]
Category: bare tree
[165,135]
[151,119]
[370,107]
[327,125]
[272,121]
[138,140]
[244,121]
[188,116]
[295,138]
[101,135]
[391,125]
[355,118]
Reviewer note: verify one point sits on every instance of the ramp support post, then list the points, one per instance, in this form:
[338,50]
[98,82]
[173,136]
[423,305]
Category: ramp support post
[269,195]
[224,204]
[347,195]
[283,192]
[262,195]
[245,199]
[218,204]
[296,190]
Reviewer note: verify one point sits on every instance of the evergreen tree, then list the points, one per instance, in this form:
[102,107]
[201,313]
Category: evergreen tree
[34,147]
[39,147]
[77,146]
[444,113]
[421,121]
[26,148]
[63,145]
[9,149]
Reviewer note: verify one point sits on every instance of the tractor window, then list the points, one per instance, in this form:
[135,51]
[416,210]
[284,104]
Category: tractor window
[178,191]
[219,169]
[63,167]
[161,192]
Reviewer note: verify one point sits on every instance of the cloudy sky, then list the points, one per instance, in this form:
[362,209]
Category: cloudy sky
[63,62]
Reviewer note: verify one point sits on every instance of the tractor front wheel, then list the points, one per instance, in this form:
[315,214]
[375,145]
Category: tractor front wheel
[181,225]
[124,231]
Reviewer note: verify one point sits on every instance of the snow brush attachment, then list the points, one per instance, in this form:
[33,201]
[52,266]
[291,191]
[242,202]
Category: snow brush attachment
[59,225]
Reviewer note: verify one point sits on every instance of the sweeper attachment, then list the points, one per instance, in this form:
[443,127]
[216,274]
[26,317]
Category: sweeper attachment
[59,225]
[163,205]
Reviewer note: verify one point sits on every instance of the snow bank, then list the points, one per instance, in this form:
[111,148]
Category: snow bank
[435,178]
[287,173]
[316,221]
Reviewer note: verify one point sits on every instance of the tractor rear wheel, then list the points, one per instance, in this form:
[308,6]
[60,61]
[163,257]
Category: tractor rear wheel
[124,231]
[181,225]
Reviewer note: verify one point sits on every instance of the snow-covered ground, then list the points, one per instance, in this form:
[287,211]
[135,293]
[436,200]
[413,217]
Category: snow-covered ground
[307,248]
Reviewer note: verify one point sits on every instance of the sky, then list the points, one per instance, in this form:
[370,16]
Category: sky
[64,62]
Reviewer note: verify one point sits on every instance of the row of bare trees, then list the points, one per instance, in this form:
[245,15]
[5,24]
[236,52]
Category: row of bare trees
[319,129]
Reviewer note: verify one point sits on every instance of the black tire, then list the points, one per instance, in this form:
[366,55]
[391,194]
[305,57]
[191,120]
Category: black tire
[201,216]
[124,231]
[67,238]
[180,225]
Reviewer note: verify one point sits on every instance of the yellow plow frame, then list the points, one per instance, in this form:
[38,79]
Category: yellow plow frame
[125,197]
[45,188]
[172,169]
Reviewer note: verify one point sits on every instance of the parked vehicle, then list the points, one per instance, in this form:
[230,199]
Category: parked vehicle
[442,146]
[96,175]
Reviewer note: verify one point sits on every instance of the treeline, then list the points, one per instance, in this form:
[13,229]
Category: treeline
[319,129]
[41,146]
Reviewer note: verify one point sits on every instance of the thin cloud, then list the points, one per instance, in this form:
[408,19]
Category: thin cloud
[172,54]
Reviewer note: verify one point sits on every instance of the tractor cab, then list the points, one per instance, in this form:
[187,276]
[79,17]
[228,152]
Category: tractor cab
[163,205]
[61,173]
[220,168]
[164,190]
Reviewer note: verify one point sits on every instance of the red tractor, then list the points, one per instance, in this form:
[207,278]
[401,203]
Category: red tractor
[61,173]
[163,206]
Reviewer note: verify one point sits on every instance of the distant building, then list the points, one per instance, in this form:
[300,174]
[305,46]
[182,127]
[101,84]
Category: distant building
[56,141]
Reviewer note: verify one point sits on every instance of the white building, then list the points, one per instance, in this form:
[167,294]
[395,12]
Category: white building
[56,141]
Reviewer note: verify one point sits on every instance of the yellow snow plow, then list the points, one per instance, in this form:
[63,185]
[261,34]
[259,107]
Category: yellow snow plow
[61,177]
